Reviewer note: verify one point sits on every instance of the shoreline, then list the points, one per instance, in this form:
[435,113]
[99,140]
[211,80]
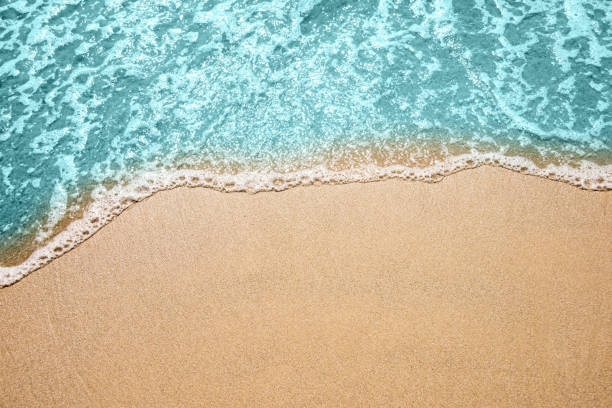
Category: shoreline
[488,288]
[106,204]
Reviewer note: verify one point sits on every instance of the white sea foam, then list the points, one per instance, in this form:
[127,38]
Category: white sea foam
[108,203]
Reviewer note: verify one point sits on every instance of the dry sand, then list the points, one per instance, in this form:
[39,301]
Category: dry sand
[488,289]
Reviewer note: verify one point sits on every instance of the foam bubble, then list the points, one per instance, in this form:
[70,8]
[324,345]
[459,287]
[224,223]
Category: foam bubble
[109,203]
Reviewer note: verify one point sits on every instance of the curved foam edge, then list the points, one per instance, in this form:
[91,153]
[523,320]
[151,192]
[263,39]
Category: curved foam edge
[108,203]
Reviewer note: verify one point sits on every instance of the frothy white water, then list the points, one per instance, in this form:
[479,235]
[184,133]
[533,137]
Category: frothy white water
[109,203]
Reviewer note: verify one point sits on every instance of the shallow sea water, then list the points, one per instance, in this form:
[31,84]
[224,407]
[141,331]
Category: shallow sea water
[103,103]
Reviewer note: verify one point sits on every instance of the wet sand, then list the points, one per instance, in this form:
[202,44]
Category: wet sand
[490,288]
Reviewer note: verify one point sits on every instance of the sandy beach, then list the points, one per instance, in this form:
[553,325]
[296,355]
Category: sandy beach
[490,288]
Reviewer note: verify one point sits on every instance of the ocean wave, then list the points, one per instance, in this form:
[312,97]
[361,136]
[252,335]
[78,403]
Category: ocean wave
[258,96]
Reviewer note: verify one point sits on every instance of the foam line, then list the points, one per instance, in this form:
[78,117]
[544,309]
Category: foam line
[109,203]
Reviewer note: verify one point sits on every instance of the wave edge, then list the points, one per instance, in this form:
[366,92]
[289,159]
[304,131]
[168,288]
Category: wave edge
[109,203]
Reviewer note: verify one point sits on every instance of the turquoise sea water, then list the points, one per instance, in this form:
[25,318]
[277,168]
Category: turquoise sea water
[104,102]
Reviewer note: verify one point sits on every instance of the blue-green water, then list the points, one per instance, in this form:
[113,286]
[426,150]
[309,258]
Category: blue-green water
[119,95]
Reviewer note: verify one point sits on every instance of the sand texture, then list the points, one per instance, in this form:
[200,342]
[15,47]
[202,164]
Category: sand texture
[490,288]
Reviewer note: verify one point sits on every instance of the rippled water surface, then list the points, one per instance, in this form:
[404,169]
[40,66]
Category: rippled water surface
[96,96]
